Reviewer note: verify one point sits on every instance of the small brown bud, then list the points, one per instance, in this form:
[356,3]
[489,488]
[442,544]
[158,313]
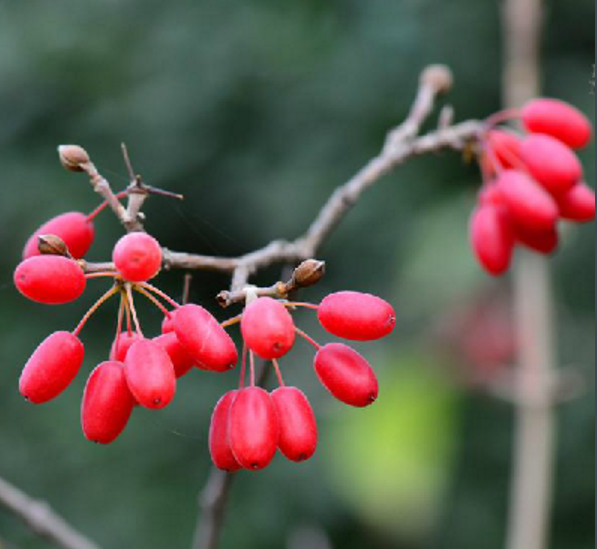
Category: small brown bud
[439,77]
[309,272]
[73,157]
[50,244]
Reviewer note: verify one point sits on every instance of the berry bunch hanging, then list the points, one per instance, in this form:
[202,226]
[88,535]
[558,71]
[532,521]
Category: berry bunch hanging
[530,182]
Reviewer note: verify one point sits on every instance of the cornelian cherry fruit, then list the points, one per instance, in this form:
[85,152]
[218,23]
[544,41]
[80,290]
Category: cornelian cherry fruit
[137,256]
[181,360]
[219,446]
[122,344]
[51,367]
[577,204]
[491,238]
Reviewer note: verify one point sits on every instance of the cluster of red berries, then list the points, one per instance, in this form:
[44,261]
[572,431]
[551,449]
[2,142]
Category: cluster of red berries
[249,424]
[530,182]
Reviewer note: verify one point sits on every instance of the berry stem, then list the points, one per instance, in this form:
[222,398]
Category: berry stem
[231,321]
[243,367]
[128,313]
[501,116]
[119,323]
[159,292]
[153,300]
[495,161]
[300,304]
[94,308]
[129,294]
[308,338]
[278,372]
[101,275]
[104,205]
[252,369]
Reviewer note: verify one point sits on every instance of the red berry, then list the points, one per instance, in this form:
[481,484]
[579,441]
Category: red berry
[72,227]
[558,119]
[506,148]
[168,323]
[528,203]
[357,316]
[543,241]
[267,328]
[51,367]
[578,204]
[204,339]
[550,162]
[298,429]
[137,256]
[346,374]
[253,428]
[50,279]
[124,342]
[150,374]
[219,446]
[181,360]
[491,238]
[107,403]
[490,195]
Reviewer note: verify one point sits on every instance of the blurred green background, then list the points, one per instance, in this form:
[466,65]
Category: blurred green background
[256,111]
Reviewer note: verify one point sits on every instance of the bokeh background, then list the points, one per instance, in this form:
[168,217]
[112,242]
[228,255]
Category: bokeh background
[256,111]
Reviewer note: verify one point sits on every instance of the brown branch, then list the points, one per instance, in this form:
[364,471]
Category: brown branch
[41,519]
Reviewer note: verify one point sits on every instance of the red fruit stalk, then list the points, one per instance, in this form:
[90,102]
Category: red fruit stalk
[219,445]
[51,367]
[107,403]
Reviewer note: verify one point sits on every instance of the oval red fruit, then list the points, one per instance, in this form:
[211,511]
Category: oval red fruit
[150,374]
[357,316]
[50,279]
[550,162]
[122,344]
[544,241]
[204,339]
[137,256]
[491,238]
[181,360]
[219,445]
[506,148]
[346,374]
[527,202]
[107,403]
[298,428]
[267,328]
[73,228]
[253,428]
[578,204]
[558,119]
[51,367]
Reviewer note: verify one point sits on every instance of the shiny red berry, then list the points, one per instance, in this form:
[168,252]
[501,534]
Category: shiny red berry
[73,228]
[356,316]
[181,360]
[346,374]
[107,403]
[298,428]
[122,344]
[51,367]
[550,162]
[544,241]
[267,328]
[204,339]
[219,445]
[577,204]
[150,374]
[137,256]
[491,238]
[558,119]
[528,204]
[50,279]
[253,428]
[506,148]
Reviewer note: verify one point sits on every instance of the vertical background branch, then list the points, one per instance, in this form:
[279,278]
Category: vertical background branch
[533,445]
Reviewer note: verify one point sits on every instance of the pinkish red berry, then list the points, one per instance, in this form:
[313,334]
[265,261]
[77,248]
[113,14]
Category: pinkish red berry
[528,203]
[107,403]
[578,204]
[219,446]
[558,119]
[298,429]
[267,328]
[51,367]
[137,256]
[50,279]
[553,164]
[253,428]
[543,241]
[357,316]
[168,322]
[150,374]
[346,374]
[491,238]
[122,344]
[204,339]
[73,228]
[181,360]
[506,148]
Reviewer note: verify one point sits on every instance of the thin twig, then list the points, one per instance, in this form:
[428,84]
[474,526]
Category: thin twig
[41,519]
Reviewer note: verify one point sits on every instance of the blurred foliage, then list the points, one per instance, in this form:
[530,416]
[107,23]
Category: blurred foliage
[256,111]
